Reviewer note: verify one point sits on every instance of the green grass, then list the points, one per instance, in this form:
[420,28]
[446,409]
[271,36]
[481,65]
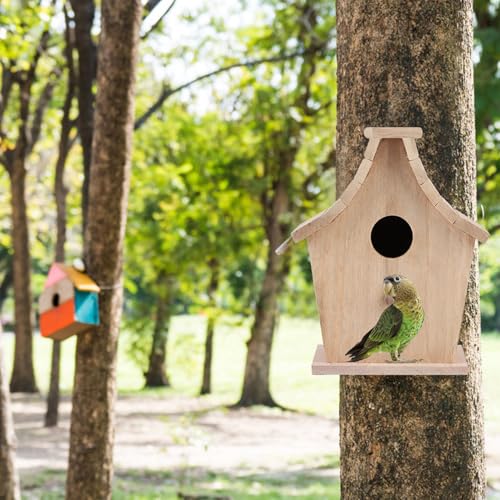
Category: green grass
[141,485]
[291,381]
[292,384]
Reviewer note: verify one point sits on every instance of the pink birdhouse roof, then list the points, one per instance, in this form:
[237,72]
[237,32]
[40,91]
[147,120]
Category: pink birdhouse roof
[81,281]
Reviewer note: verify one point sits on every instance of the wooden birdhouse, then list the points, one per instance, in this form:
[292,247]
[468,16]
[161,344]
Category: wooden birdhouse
[69,303]
[390,220]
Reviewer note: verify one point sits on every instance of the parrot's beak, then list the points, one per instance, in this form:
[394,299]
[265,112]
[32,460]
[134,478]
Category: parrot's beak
[389,289]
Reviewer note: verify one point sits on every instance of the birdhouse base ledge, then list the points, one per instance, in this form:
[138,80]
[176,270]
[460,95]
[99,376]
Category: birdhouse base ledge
[320,366]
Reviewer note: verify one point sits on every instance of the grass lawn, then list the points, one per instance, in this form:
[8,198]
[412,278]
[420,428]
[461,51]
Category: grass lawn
[140,485]
[292,384]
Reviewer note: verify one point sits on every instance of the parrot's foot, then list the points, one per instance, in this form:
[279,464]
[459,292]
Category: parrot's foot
[405,361]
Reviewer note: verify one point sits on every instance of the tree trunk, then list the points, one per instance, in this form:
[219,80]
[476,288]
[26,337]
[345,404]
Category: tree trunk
[84,11]
[9,481]
[23,376]
[410,64]
[90,469]
[256,389]
[206,383]
[60,193]
[156,376]
[6,284]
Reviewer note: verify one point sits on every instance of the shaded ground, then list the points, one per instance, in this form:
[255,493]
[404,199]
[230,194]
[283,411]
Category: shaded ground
[187,441]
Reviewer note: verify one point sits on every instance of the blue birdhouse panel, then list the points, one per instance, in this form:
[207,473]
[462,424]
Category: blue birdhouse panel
[87,307]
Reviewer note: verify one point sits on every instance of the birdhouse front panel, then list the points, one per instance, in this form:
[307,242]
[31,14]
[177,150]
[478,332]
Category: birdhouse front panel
[390,262]
[68,304]
[390,227]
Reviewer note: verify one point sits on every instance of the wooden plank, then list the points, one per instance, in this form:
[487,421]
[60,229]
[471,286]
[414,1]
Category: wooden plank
[350,192]
[371,149]
[472,228]
[419,170]
[320,366]
[284,246]
[431,192]
[447,211]
[312,225]
[392,132]
[363,170]
[411,148]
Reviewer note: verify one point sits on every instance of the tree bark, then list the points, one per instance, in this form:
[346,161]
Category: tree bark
[60,193]
[156,376]
[92,421]
[84,11]
[213,285]
[5,284]
[23,375]
[9,480]
[410,64]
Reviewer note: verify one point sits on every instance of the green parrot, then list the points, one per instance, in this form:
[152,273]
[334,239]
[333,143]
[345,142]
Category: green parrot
[397,325]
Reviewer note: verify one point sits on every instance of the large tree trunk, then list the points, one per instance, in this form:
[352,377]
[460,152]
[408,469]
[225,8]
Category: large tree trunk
[256,389]
[92,421]
[409,64]
[156,375]
[23,376]
[206,382]
[9,481]
[84,11]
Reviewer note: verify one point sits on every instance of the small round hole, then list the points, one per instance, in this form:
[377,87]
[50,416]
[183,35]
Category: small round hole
[55,300]
[391,236]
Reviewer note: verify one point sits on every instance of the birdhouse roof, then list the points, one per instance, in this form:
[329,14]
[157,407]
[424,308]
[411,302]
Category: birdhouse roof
[80,281]
[374,135]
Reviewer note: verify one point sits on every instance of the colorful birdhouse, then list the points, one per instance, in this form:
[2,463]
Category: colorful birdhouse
[389,221]
[69,303]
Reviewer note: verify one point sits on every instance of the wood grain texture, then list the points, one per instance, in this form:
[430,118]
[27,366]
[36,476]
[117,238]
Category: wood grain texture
[392,132]
[320,366]
[348,272]
[371,148]
[411,148]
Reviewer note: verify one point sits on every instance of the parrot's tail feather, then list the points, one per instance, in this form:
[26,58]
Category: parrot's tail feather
[360,350]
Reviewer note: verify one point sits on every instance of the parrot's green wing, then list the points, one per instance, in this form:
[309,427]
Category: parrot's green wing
[387,326]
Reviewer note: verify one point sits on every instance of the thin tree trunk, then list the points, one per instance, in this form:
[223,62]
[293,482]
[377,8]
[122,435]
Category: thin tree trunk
[60,193]
[23,376]
[6,284]
[256,390]
[410,64]
[213,285]
[156,376]
[9,480]
[276,205]
[84,11]
[90,469]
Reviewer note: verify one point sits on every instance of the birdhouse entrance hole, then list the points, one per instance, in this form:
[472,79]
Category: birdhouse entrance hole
[55,300]
[391,236]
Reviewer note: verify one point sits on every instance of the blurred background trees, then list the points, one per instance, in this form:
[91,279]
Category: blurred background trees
[234,145]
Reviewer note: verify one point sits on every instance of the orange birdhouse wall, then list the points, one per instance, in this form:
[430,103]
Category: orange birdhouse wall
[390,220]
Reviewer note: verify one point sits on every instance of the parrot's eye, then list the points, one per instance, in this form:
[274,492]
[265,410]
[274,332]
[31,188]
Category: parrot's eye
[397,279]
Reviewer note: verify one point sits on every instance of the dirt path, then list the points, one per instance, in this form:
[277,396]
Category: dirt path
[181,432]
